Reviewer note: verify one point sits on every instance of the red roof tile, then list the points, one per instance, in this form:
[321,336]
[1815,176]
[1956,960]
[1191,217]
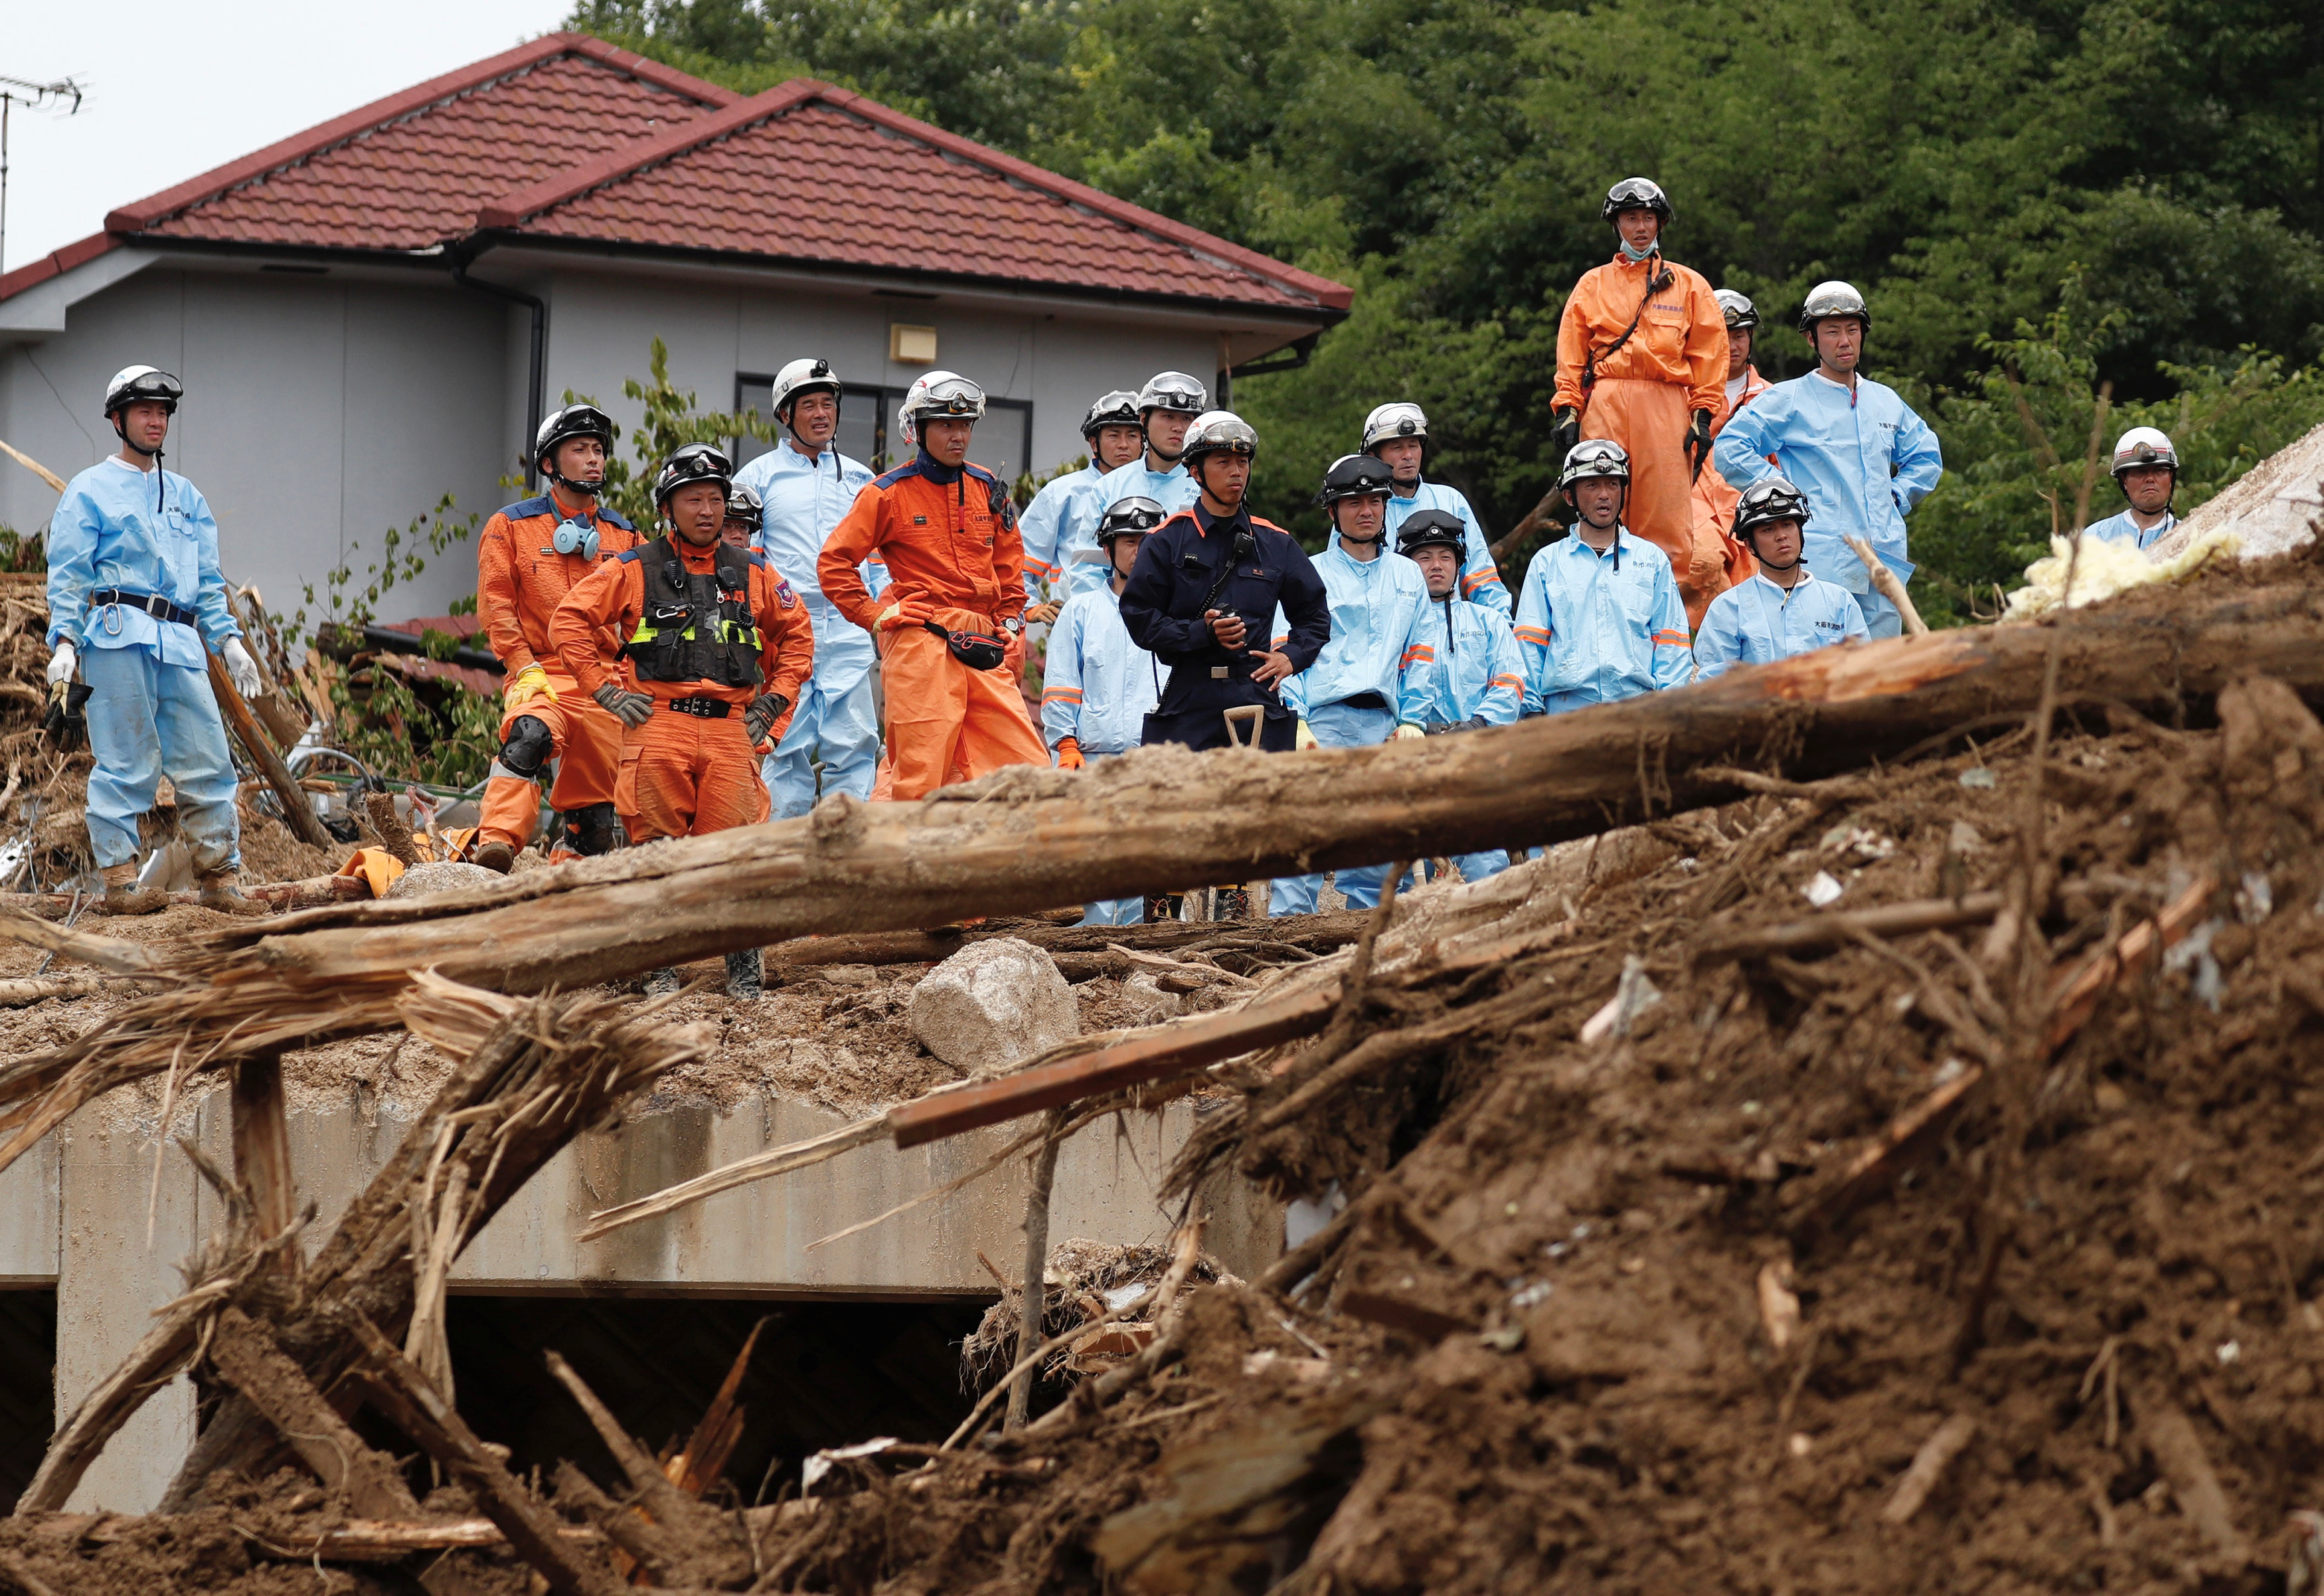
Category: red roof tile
[412,170]
[569,138]
[808,172]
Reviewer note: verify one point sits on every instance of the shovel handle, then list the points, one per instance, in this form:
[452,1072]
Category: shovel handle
[1242,724]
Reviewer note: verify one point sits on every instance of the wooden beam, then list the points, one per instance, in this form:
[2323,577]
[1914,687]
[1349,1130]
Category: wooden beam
[304,822]
[246,1357]
[262,1150]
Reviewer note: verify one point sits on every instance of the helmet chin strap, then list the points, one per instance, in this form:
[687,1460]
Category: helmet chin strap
[154,454]
[1770,564]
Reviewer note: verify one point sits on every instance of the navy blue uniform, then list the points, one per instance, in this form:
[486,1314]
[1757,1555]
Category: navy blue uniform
[1162,606]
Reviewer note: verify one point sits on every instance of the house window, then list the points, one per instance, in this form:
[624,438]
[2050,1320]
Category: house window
[869,431]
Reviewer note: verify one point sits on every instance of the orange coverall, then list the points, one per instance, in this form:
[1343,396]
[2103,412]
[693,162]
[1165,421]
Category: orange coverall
[1712,506]
[949,540]
[1647,393]
[521,579]
[685,774]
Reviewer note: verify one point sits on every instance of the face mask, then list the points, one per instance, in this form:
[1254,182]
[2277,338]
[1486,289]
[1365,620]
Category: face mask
[1636,254]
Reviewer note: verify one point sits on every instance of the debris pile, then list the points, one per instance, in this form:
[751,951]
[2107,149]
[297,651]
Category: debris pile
[1899,1179]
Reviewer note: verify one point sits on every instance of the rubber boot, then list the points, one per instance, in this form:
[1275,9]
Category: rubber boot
[746,976]
[494,856]
[1230,903]
[219,890]
[661,984]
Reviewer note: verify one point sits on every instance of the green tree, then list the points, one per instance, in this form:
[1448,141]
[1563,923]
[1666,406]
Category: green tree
[673,418]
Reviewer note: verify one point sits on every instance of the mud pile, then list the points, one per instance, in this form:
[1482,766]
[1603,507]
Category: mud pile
[1624,1314]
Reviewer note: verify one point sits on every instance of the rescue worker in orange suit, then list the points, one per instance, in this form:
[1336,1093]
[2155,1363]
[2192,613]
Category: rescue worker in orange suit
[1713,502]
[1641,358]
[529,555]
[954,601]
[718,644]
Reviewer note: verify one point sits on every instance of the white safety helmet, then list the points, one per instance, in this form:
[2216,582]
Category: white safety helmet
[1172,391]
[1401,419]
[1218,432]
[135,384]
[939,394]
[1595,457]
[1636,194]
[810,374]
[1736,309]
[1827,300]
[1116,407]
[2143,446]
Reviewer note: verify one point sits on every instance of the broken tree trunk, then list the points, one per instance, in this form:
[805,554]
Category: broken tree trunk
[300,814]
[1026,838]
[261,1148]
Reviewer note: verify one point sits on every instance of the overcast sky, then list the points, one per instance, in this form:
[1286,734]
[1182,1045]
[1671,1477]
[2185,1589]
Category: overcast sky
[177,86]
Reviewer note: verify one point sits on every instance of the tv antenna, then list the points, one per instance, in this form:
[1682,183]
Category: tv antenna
[32,97]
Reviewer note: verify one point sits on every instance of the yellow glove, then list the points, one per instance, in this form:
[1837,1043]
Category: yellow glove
[526,685]
[1408,731]
[1303,739]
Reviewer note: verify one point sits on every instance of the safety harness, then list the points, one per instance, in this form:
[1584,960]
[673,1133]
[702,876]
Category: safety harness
[696,626]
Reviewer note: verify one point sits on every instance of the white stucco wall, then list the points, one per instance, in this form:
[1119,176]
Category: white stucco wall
[318,411]
[321,410]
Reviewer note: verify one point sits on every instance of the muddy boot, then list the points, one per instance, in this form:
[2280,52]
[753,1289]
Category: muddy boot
[122,896]
[495,856]
[220,889]
[1230,903]
[662,983]
[746,975]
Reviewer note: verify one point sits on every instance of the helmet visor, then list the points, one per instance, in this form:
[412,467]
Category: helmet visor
[150,388]
[1173,398]
[955,396]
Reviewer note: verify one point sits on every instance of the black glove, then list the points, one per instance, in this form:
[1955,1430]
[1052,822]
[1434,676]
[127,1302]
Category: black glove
[1698,441]
[1566,432]
[765,710]
[67,719]
[632,709]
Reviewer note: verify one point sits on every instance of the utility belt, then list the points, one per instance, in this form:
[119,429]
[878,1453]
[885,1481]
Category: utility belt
[709,709]
[161,609]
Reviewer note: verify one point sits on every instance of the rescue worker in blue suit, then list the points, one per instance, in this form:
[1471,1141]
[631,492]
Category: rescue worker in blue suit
[1599,618]
[1853,444]
[1207,585]
[1475,679]
[1398,434]
[1168,407]
[1054,541]
[1784,609]
[134,594]
[807,486]
[1099,686]
[2146,469]
[1372,680]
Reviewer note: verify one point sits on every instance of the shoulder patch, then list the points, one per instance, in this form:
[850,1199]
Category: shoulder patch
[615,517]
[538,504]
[629,554]
[980,472]
[903,472]
[758,558]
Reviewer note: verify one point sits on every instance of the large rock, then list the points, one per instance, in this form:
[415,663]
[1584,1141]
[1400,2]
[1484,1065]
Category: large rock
[428,878]
[992,1005]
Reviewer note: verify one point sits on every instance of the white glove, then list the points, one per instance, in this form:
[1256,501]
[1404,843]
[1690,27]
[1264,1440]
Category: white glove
[241,670]
[63,663]
[1408,731]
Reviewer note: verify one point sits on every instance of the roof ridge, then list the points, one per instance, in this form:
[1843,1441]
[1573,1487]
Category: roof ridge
[474,78]
[563,187]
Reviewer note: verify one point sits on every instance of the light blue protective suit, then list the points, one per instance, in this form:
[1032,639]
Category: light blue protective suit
[1863,459]
[1174,490]
[151,711]
[1594,628]
[1476,675]
[1481,578]
[2121,528]
[1380,647]
[1756,621]
[1047,527]
[835,720]
[1098,688]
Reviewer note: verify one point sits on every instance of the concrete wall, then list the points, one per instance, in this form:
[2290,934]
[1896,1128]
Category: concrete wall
[75,1211]
[320,412]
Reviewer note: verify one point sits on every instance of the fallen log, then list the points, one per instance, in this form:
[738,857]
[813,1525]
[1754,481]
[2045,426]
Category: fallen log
[1026,838]
[373,1540]
[307,892]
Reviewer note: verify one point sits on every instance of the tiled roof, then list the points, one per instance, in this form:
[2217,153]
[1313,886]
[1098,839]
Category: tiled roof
[569,139]
[412,171]
[810,173]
